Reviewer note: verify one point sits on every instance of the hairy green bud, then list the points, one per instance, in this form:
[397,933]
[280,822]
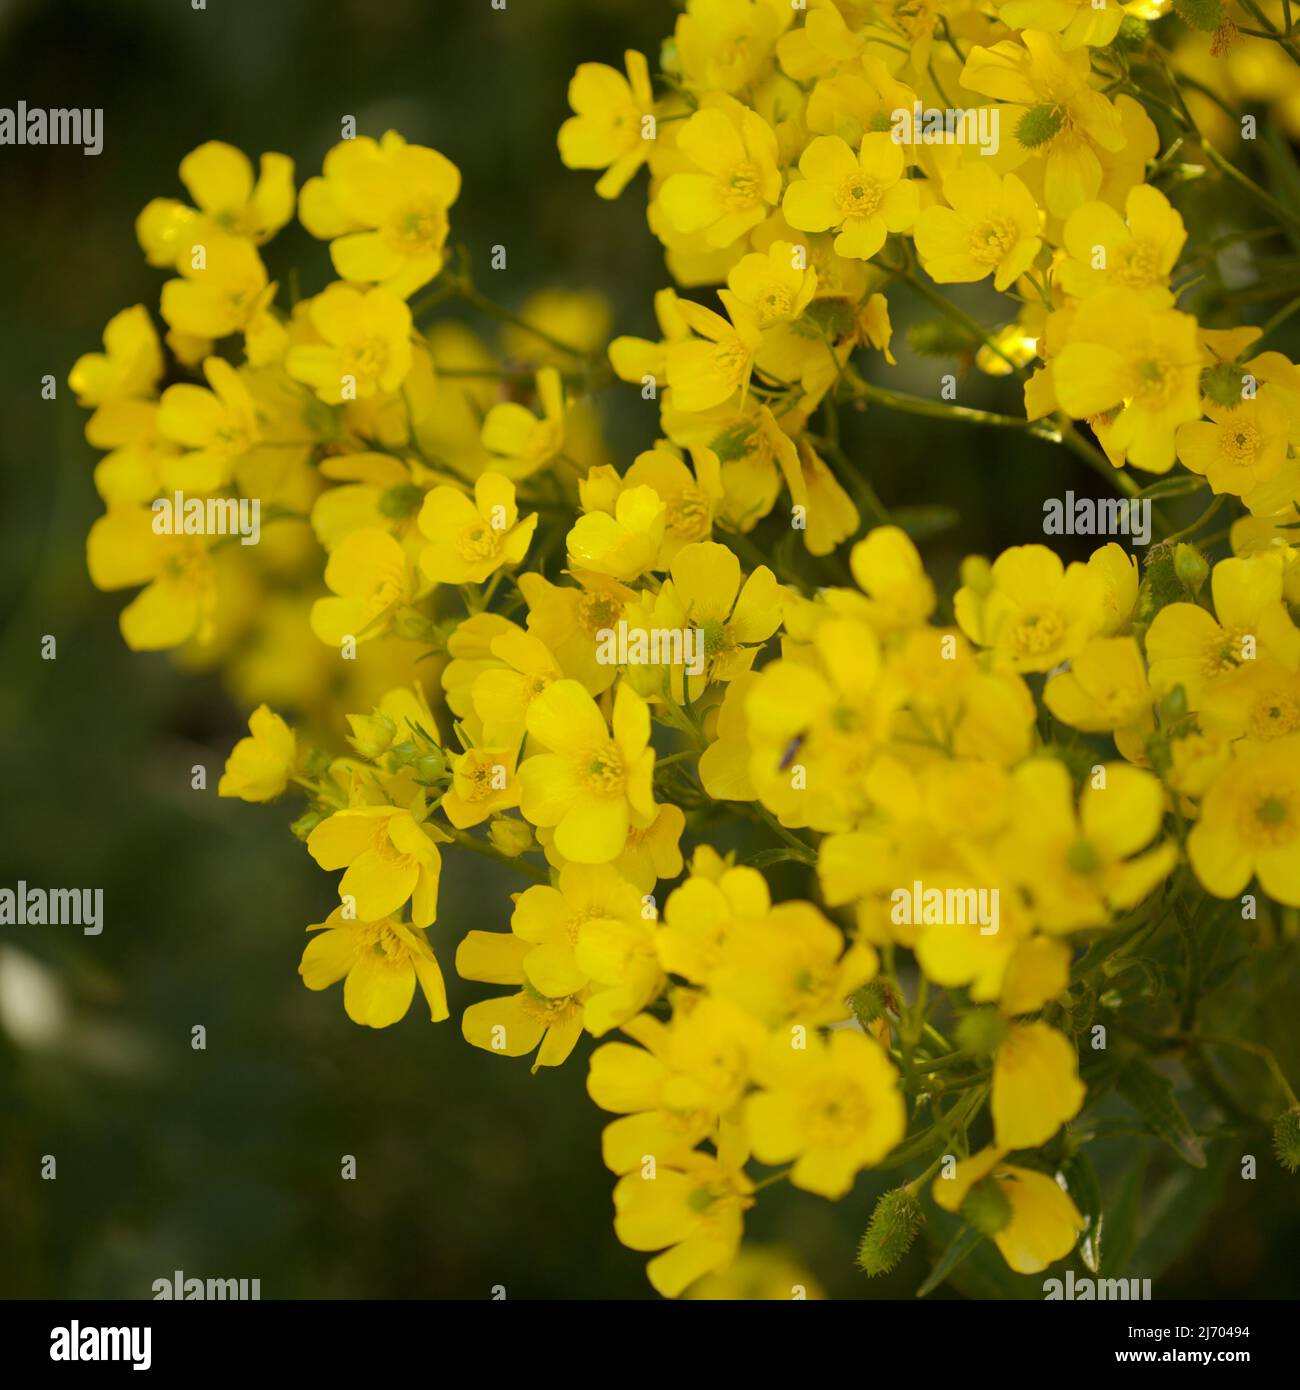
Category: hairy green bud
[1039,124]
[403,499]
[894,1225]
[981,1032]
[869,1003]
[1190,566]
[1133,33]
[986,1208]
[1286,1139]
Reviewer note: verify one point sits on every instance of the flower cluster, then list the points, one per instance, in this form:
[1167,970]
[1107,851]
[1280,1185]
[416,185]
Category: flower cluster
[661,690]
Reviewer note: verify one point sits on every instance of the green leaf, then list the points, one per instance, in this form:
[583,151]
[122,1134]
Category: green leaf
[924,521]
[1083,1187]
[1205,15]
[962,1244]
[1152,1096]
[1124,1207]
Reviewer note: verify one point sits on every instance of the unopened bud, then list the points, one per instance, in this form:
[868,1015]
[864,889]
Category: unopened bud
[981,1032]
[869,1003]
[372,734]
[1190,566]
[1286,1139]
[986,1207]
[977,574]
[511,837]
[894,1226]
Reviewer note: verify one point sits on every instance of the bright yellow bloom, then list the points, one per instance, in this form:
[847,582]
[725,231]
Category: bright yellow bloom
[990,226]
[383,207]
[1076,21]
[178,602]
[1250,825]
[370,577]
[834,1107]
[381,960]
[222,290]
[705,371]
[1036,1086]
[623,544]
[215,427]
[1241,447]
[1144,365]
[613,125]
[694,1208]
[519,441]
[1104,690]
[365,347]
[1052,112]
[735,180]
[219,178]
[259,767]
[1139,253]
[776,287]
[592,785]
[502,693]
[827,512]
[1038,613]
[888,570]
[690,497]
[390,858]
[129,367]
[865,195]
[483,784]
[1074,870]
[1260,701]
[470,540]
[1044,1222]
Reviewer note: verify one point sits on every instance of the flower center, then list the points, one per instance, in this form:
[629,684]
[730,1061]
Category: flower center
[366,360]
[859,195]
[1274,715]
[601,770]
[689,514]
[383,941]
[991,239]
[478,541]
[834,1114]
[1271,818]
[1155,380]
[1037,632]
[738,189]
[1139,265]
[597,611]
[416,228]
[1239,443]
[775,304]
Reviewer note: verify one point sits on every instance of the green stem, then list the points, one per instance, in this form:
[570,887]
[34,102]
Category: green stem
[522,866]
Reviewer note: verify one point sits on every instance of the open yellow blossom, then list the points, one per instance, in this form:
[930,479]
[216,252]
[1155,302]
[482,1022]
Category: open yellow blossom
[734,180]
[776,287]
[1076,21]
[1250,825]
[864,196]
[1144,364]
[365,347]
[592,785]
[834,1107]
[704,371]
[383,207]
[370,578]
[1241,446]
[521,443]
[379,963]
[990,226]
[390,858]
[129,367]
[690,495]
[1044,1223]
[612,127]
[219,178]
[1036,1086]
[259,767]
[483,784]
[1105,688]
[623,544]
[888,570]
[214,426]
[222,288]
[470,540]
[1038,611]
[1138,251]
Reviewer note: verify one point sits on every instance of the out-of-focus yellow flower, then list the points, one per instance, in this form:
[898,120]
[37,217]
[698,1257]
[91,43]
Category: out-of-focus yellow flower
[1036,1086]
[379,963]
[519,441]
[613,125]
[470,540]
[365,345]
[259,767]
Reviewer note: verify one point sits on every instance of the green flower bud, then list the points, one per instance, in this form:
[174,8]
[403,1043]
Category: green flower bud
[895,1224]
[869,1003]
[372,734]
[1173,706]
[306,823]
[1222,384]
[986,1208]
[429,767]
[1286,1139]
[1190,566]
[1133,32]
[511,837]
[1039,124]
[1205,15]
[402,500]
[318,762]
[981,1032]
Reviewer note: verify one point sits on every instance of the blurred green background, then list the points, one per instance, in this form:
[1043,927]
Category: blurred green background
[225,1162]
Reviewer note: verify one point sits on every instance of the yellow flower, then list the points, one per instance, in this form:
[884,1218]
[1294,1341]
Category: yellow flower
[129,367]
[1260,700]
[623,544]
[705,371]
[693,1211]
[502,693]
[470,540]
[1250,825]
[220,180]
[865,195]
[215,427]
[1038,613]
[888,570]
[259,767]
[1243,447]
[827,512]
[371,578]
[591,786]
[383,207]
[1076,21]
[1044,1223]
[990,225]
[1186,646]
[390,858]
[612,116]
[482,785]
[776,287]
[519,441]
[1074,870]
[834,1107]
[1106,250]
[735,180]
[179,599]
[1053,113]
[514,1025]
[1036,1086]
[1104,690]
[382,960]
[690,498]
[365,347]
[223,287]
